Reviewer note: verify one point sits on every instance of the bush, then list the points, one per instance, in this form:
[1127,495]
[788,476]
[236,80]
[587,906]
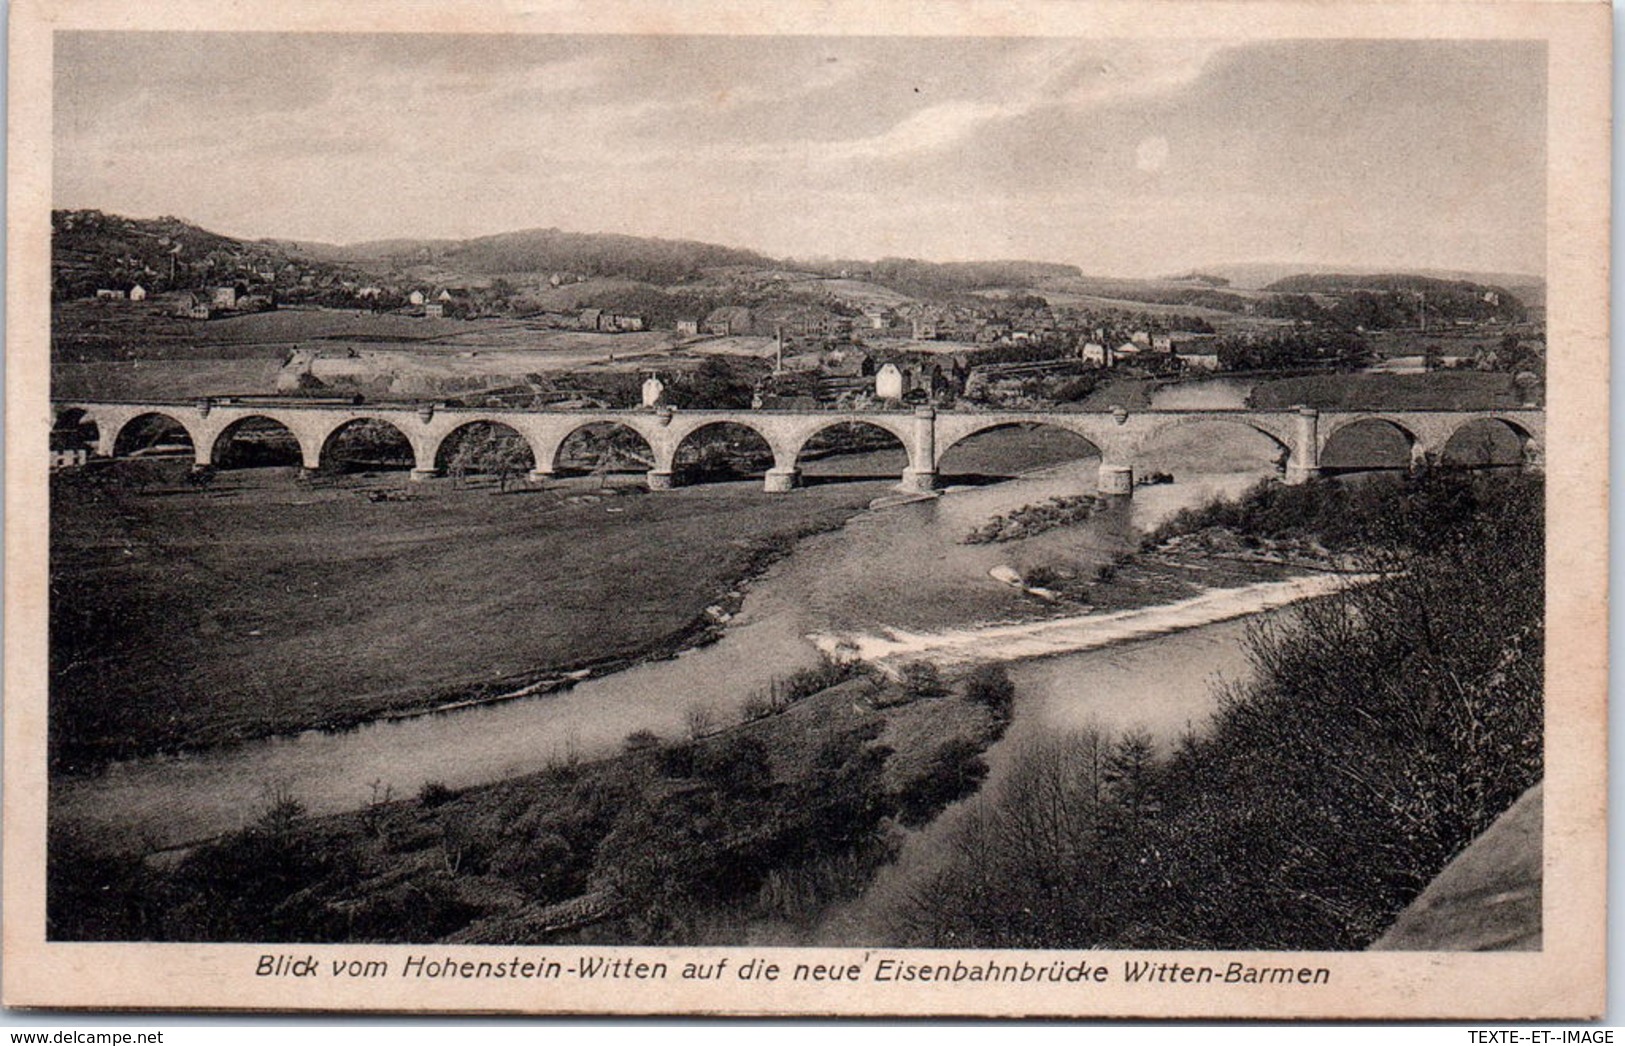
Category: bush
[640,741]
[699,720]
[738,765]
[1042,577]
[956,770]
[990,686]
[435,793]
[922,679]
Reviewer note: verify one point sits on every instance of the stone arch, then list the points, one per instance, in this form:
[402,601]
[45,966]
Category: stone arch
[1148,443]
[857,434]
[520,454]
[229,451]
[1342,449]
[977,468]
[727,458]
[388,458]
[145,429]
[1496,438]
[606,445]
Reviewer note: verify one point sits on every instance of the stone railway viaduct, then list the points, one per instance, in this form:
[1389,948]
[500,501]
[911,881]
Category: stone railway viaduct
[1302,433]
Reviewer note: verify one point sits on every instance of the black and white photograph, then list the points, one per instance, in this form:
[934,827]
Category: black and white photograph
[595,510]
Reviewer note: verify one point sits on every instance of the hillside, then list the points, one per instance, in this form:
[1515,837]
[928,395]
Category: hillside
[556,251]
[91,251]
[1390,300]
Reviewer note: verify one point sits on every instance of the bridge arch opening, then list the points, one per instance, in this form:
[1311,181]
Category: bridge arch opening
[1368,444]
[1213,446]
[851,451]
[256,442]
[367,445]
[1486,443]
[152,434]
[486,449]
[1006,450]
[720,452]
[603,449]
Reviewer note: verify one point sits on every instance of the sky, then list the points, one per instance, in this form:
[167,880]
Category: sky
[1124,157]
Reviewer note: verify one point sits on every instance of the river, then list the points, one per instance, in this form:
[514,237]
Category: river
[896,568]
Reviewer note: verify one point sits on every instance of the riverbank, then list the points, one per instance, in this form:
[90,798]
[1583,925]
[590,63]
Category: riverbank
[748,832]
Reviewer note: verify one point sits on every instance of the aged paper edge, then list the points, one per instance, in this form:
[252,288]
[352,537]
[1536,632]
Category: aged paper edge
[1565,979]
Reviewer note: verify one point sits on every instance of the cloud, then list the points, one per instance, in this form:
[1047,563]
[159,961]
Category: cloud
[1066,149]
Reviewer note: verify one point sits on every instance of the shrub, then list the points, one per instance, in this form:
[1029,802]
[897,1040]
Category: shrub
[1042,577]
[990,686]
[922,679]
[676,761]
[640,741]
[435,793]
[759,706]
[738,764]
[699,720]
[956,770]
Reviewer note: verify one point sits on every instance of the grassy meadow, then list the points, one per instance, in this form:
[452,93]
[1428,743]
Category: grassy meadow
[184,617]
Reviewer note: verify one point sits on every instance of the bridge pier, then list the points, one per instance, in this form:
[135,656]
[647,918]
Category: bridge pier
[1303,462]
[1115,481]
[921,474]
[918,481]
[539,475]
[660,479]
[423,475]
[780,481]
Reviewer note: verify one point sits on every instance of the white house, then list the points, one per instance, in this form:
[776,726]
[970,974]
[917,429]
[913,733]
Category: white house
[138,293]
[415,298]
[890,383]
[653,389]
[1096,353]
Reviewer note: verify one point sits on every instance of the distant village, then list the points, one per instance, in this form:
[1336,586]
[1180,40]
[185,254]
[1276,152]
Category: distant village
[772,338]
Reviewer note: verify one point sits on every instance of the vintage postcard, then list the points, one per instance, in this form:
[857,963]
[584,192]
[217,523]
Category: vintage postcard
[1086,509]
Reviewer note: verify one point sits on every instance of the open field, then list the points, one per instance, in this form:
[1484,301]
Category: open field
[163,379]
[184,617]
